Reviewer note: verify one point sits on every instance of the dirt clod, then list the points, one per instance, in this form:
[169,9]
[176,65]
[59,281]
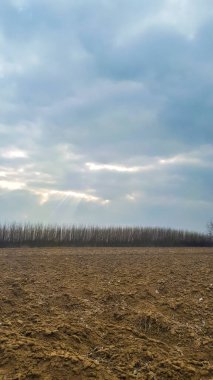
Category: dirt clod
[106,314]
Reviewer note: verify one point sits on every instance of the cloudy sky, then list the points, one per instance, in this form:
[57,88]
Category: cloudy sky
[106,112]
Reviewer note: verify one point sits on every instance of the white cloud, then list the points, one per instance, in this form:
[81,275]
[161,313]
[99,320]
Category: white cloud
[131,197]
[45,195]
[117,168]
[11,186]
[13,153]
[180,160]
[201,157]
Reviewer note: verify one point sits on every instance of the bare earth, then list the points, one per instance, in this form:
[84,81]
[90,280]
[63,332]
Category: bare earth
[106,313]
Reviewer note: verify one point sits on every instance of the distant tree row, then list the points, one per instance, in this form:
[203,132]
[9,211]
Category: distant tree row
[210,230]
[17,235]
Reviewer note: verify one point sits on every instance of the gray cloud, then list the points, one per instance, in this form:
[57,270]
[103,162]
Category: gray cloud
[105,100]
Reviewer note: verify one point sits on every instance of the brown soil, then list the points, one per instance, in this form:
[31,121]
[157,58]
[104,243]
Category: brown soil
[106,313]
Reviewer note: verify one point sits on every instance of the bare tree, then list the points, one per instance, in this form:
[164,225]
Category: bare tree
[210,229]
[17,235]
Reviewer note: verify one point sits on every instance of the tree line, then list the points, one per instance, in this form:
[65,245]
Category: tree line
[37,235]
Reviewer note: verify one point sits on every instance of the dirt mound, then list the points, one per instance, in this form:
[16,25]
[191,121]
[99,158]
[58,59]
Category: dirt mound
[106,314]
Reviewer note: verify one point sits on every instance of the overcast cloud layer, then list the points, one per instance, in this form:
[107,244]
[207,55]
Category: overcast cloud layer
[106,112]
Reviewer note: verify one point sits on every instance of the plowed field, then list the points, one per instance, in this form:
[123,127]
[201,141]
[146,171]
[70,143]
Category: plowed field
[106,313]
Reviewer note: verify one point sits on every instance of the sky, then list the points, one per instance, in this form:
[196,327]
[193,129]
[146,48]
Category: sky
[106,112]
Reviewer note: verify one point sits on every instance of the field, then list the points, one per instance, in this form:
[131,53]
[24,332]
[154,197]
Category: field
[106,313]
